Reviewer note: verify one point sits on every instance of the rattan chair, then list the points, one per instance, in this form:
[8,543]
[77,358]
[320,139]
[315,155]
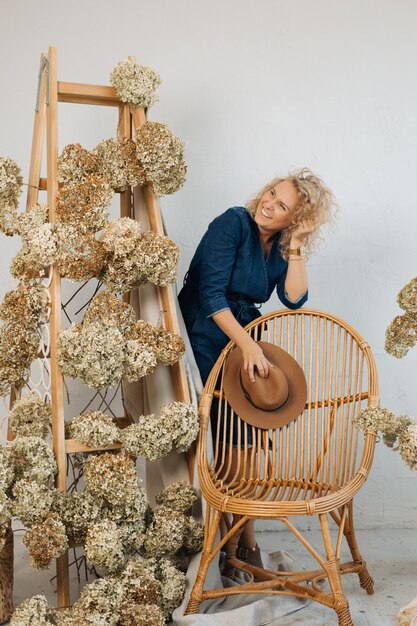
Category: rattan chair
[313,466]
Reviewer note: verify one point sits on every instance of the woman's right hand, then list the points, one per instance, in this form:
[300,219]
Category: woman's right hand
[254,358]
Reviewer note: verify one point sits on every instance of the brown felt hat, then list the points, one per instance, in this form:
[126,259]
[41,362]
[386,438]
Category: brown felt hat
[269,402]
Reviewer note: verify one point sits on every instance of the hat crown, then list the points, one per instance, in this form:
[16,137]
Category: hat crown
[268,394]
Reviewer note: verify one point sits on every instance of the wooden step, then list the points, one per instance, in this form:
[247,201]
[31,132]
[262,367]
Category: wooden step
[80,93]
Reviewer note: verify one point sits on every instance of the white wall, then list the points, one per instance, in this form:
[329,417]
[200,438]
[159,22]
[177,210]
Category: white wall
[254,87]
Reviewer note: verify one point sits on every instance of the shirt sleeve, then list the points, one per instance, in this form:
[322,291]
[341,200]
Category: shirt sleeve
[282,294]
[218,258]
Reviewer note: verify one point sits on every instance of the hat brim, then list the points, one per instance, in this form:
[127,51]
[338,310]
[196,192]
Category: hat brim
[297,384]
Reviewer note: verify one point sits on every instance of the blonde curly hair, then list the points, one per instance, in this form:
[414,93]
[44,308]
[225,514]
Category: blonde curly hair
[316,202]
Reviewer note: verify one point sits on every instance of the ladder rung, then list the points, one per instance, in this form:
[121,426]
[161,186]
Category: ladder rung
[88,94]
[43,184]
[72,445]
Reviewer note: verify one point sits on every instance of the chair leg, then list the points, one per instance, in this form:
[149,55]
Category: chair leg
[365,579]
[196,595]
[231,549]
[332,568]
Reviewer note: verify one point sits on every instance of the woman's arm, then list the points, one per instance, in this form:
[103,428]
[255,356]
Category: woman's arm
[253,355]
[296,281]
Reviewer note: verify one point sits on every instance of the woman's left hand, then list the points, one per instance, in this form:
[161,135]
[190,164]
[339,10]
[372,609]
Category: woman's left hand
[304,228]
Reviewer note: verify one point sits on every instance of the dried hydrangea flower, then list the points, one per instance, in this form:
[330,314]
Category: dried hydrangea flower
[112,477]
[6,467]
[131,512]
[33,460]
[11,182]
[122,274]
[25,266]
[93,428]
[165,534]
[158,257]
[118,164]
[31,416]
[3,533]
[103,545]
[149,438]
[407,298]
[31,220]
[46,540]
[33,612]
[139,361]
[184,422]
[31,500]
[168,347]
[194,535]
[408,445]
[99,602]
[179,496]
[141,615]
[107,307]
[401,335]
[77,511]
[19,345]
[373,419]
[135,84]
[25,305]
[392,429]
[85,205]
[79,256]
[75,164]
[94,353]
[172,587]
[162,157]
[121,237]
[5,508]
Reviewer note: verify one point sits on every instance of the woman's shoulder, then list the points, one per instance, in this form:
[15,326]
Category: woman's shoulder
[236,216]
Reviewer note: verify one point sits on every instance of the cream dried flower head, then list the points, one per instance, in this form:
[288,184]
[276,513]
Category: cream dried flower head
[373,419]
[172,586]
[31,220]
[162,157]
[11,182]
[77,510]
[93,428]
[165,534]
[6,467]
[139,361]
[112,477]
[19,346]
[408,445]
[141,615]
[99,603]
[5,508]
[392,429]
[33,460]
[118,164]
[46,540]
[4,529]
[104,546]
[25,305]
[149,438]
[121,237]
[401,335]
[183,420]
[85,205]
[122,274]
[407,298]
[107,307]
[75,164]
[79,256]
[179,496]
[33,612]
[31,416]
[194,535]
[25,266]
[158,257]
[30,500]
[135,84]
[167,347]
[140,582]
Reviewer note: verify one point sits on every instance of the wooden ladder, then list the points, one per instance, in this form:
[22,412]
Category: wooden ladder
[50,93]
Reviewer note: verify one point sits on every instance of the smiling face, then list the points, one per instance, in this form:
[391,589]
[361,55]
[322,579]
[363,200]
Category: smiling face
[276,208]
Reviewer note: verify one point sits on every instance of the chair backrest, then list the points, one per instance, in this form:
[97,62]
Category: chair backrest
[319,451]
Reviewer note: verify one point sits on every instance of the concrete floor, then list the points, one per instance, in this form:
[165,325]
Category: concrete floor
[391,555]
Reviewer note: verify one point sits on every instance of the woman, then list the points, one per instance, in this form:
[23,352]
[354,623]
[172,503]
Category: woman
[245,254]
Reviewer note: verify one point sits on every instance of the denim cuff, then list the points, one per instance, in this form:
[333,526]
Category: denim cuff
[298,299]
[215,306]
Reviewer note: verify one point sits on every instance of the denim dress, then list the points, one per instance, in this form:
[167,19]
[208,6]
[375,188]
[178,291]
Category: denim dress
[229,271]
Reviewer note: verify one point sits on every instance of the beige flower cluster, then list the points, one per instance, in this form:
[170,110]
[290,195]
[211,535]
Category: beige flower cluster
[408,445]
[76,164]
[109,346]
[30,416]
[85,204]
[135,84]
[134,257]
[401,334]
[46,540]
[153,436]
[117,163]
[21,311]
[93,428]
[162,157]
[11,182]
